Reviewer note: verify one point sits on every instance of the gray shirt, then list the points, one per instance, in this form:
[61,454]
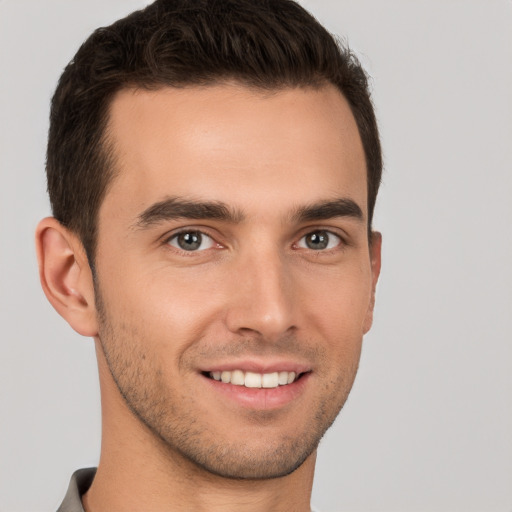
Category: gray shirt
[80,482]
[78,486]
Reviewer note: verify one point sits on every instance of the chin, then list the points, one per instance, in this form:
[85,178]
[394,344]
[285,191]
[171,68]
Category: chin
[251,464]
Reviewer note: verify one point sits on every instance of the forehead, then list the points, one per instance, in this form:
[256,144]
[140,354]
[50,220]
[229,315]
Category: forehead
[234,144]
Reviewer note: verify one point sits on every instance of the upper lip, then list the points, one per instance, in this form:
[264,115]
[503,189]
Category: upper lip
[258,366]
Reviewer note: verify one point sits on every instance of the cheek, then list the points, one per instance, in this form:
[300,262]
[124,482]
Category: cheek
[338,301]
[163,304]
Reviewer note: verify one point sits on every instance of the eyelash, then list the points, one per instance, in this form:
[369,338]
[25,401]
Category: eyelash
[175,236]
[322,232]
[339,245]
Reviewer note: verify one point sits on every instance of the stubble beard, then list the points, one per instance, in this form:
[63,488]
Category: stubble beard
[187,437]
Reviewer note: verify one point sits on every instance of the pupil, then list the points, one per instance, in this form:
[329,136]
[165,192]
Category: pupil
[318,240]
[189,241]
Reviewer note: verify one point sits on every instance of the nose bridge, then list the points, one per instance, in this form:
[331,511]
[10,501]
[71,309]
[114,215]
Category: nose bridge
[262,300]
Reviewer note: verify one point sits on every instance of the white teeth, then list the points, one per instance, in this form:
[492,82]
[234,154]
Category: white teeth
[254,380]
[282,378]
[237,378]
[270,380]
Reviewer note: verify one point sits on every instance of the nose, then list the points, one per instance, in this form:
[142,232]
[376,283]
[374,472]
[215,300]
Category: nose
[262,299]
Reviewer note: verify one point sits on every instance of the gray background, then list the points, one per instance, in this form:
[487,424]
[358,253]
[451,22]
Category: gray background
[428,426]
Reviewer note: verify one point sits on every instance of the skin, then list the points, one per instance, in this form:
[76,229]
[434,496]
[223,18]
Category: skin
[254,294]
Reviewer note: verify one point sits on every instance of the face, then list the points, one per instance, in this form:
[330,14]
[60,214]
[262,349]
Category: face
[234,275]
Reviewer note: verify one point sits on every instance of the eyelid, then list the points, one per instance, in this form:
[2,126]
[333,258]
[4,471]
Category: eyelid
[166,239]
[204,230]
[204,240]
[342,239]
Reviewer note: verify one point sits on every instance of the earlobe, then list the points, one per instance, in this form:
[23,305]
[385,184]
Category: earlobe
[65,276]
[375,262]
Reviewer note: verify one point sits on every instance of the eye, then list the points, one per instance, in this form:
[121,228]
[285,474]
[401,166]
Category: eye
[191,241]
[319,240]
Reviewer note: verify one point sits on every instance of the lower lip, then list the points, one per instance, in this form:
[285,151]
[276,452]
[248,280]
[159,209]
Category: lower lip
[260,398]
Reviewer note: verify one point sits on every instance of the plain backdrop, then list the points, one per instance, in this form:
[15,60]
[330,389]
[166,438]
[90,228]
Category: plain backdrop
[428,426]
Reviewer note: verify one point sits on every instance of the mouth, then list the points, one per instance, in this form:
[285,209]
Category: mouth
[258,385]
[255,380]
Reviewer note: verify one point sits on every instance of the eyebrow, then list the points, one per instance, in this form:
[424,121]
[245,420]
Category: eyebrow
[172,208]
[323,210]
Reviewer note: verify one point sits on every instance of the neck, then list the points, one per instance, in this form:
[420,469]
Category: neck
[139,471]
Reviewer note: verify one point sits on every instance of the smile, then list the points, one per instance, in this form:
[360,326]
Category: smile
[258,386]
[254,380]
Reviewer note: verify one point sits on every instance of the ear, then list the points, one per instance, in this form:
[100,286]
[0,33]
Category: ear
[65,276]
[375,261]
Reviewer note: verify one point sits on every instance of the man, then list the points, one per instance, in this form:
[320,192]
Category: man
[213,168]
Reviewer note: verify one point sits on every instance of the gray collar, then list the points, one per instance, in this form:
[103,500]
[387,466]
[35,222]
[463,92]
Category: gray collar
[78,486]
[80,482]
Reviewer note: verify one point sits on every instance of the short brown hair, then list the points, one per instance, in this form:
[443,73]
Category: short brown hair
[268,44]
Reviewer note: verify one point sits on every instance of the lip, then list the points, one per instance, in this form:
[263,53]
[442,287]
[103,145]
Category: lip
[258,366]
[258,399]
